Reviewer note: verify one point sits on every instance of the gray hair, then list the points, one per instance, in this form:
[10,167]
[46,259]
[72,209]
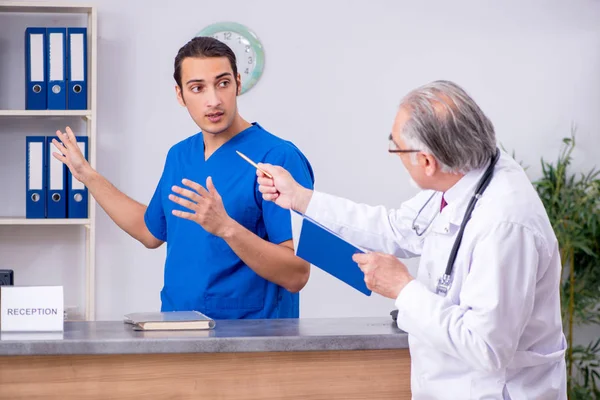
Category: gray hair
[447,123]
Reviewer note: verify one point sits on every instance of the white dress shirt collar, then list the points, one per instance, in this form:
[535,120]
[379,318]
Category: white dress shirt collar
[459,195]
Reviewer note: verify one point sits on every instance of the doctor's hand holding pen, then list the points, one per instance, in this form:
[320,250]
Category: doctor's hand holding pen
[384,273]
[282,189]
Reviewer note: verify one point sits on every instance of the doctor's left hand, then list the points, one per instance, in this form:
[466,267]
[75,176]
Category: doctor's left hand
[206,206]
[384,273]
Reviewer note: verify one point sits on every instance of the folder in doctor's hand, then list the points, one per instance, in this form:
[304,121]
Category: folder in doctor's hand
[328,251]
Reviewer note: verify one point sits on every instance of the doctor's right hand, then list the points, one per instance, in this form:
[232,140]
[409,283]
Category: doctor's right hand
[70,154]
[282,189]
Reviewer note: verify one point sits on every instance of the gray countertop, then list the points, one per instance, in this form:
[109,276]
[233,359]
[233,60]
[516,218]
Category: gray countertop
[115,337]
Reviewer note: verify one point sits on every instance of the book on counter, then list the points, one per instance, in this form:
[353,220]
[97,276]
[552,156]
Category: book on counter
[169,320]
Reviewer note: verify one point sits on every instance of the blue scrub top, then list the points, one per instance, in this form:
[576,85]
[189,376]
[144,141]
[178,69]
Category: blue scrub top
[201,271]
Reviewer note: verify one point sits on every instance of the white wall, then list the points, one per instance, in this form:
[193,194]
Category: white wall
[335,72]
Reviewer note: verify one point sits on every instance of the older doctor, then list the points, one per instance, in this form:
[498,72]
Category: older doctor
[483,313]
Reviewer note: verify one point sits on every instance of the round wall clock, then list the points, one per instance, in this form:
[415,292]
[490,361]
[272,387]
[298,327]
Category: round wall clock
[248,50]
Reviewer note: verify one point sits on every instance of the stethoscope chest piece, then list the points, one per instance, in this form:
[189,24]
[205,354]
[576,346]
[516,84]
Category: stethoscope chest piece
[443,285]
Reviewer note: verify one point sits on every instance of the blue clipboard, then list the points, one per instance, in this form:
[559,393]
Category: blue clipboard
[328,251]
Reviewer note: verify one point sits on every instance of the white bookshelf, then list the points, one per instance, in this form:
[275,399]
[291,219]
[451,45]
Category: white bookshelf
[46,113]
[89,116]
[45,221]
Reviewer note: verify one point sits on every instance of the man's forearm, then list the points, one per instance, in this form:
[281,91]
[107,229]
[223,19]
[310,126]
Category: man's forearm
[276,263]
[127,213]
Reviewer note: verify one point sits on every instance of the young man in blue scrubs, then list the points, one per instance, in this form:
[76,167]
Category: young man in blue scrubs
[229,252]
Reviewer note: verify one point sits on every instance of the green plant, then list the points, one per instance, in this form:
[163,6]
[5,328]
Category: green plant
[573,206]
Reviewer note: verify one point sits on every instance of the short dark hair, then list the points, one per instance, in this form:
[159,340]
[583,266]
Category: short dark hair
[202,47]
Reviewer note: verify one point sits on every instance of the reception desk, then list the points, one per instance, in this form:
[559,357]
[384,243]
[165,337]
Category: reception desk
[347,358]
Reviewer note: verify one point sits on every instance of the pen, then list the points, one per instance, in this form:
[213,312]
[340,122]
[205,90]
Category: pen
[253,164]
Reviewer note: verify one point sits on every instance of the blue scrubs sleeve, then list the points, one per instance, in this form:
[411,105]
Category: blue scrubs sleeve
[154,217]
[277,220]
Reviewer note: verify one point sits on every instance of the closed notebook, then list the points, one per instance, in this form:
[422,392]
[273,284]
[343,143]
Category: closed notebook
[330,252]
[171,320]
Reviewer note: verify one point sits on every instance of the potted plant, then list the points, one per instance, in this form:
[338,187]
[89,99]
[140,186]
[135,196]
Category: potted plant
[572,202]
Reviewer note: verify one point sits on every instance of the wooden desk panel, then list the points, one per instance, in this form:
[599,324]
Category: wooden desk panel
[330,375]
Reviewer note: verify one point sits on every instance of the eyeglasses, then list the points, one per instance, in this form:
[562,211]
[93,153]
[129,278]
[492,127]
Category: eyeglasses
[394,147]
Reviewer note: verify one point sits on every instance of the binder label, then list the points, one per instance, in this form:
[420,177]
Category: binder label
[36,52]
[56,174]
[75,184]
[76,57]
[36,166]
[56,57]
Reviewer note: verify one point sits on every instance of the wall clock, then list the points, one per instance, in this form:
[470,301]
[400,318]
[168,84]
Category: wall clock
[247,47]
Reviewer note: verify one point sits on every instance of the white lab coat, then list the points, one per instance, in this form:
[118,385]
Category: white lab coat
[498,332]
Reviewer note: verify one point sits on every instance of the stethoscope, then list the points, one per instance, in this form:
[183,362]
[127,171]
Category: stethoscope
[445,281]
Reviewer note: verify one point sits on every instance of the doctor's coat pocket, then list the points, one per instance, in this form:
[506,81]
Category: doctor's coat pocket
[450,388]
[443,227]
